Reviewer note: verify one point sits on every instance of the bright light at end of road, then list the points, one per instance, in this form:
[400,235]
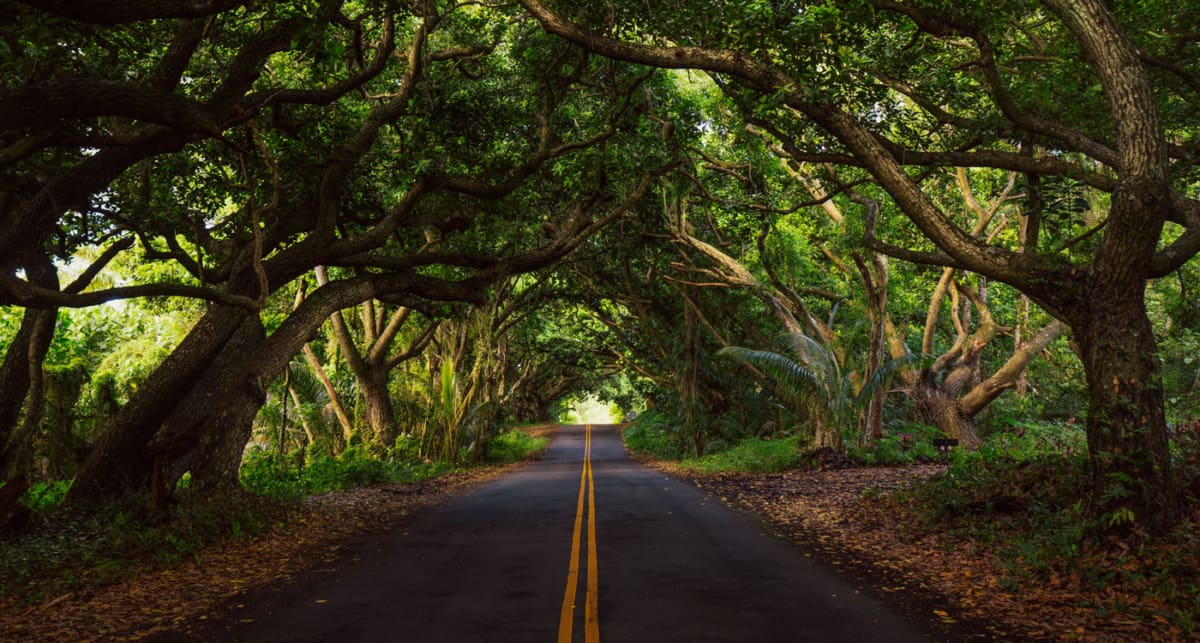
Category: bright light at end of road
[592,411]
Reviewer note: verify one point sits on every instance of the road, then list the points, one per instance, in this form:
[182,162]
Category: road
[584,546]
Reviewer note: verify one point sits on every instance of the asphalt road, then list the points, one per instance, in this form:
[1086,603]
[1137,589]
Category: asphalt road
[668,564]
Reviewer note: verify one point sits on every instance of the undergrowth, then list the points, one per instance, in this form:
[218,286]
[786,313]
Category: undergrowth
[515,445]
[649,435]
[266,473]
[69,548]
[751,455]
[904,444]
[1023,499]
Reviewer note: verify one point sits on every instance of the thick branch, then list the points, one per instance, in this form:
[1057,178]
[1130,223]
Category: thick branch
[1006,376]
[111,12]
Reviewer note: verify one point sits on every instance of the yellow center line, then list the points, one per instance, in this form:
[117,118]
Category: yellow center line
[592,611]
[566,619]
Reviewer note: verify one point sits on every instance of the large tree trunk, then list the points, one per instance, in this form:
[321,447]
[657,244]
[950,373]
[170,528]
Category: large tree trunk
[24,357]
[118,463]
[1126,427]
[379,413]
[209,429]
[943,410]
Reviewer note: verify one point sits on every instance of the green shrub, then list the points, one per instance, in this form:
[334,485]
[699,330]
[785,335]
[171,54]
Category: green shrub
[1185,452]
[904,444]
[1026,440]
[648,435]
[515,445]
[752,455]
[43,496]
[267,474]
[264,473]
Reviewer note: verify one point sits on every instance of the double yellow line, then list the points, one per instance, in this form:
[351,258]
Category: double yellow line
[591,620]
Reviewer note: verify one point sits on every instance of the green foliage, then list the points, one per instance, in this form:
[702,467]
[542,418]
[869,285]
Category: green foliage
[112,542]
[1027,440]
[648,434]
[815,381]
[265,473]
[515,445]
[752,455]
[906,444]
[1185,453]
[43,496]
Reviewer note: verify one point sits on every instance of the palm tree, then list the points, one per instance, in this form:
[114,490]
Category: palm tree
[814,382]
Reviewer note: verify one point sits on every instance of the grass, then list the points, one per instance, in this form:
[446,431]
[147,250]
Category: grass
[515,445]
[904,444]
[265,473]
[752,455]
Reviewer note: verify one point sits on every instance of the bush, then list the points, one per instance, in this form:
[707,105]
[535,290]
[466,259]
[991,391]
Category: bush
[903,444]
[43,496]
[752,455]
[515,445]
[648,435]
[1185,453]
[267,474]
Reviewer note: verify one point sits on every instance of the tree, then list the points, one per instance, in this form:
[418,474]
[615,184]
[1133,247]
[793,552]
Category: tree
[816,381]
[846,91]
[250,144]
[373,365]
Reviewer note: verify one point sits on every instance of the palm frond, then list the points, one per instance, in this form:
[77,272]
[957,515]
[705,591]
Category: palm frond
[796,383]
[817,357]
[883,376]
[306,384]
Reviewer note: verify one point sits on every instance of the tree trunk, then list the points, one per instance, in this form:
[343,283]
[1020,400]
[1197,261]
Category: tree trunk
[1126,426]
[14,374]
[209,429]
[24,357]
[118,463]
[13,515]
[378,410]
[220,452]
[875,283]
[335,402]
[944,412]
[17,452]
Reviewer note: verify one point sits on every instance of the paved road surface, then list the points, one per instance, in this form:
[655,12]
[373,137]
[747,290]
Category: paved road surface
[669,564]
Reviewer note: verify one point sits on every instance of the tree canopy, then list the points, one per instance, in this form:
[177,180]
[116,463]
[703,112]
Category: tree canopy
[444,216]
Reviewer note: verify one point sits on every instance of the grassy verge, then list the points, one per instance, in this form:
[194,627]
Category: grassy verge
[752,455]
[651,436]
[70,549]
